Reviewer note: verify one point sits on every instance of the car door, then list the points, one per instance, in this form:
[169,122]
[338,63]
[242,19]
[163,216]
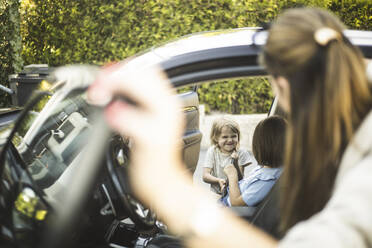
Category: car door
[192,135]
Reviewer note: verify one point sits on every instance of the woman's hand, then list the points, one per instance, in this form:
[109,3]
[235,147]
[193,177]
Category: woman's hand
[156,119]
[154,123]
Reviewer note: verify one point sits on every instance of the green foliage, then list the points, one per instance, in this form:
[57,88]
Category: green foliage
[59,32]
[242,96]
[355,14]
[10,44]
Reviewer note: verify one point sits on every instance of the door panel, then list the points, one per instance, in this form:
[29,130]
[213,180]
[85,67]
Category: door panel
[192,135]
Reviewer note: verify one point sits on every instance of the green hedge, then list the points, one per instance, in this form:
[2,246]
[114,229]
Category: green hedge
[241,96]
[58,32]
[10,44]
[355,14]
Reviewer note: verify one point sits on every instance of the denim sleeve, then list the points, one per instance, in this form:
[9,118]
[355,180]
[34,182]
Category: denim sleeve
[253,193]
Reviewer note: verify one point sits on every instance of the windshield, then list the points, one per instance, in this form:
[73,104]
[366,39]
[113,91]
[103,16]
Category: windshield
[52,135]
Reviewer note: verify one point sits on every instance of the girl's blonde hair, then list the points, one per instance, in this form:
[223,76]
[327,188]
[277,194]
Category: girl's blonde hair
[217,126]
[329,97]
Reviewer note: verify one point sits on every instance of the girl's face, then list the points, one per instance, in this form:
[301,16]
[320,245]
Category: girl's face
[228,140]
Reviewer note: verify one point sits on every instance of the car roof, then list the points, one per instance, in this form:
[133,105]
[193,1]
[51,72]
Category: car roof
[220,54]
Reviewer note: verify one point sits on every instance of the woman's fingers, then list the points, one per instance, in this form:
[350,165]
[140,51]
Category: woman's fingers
[154,120]
[140,86]
[147,128]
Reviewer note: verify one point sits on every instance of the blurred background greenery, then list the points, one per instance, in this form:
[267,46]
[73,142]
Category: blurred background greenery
[59,32]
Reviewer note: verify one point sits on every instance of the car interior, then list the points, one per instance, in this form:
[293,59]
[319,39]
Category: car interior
[50,146]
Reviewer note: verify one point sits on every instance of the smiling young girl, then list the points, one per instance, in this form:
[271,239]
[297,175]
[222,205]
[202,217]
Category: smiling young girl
[225,137]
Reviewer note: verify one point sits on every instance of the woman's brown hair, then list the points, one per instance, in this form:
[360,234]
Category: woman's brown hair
[268,141]
[329,97]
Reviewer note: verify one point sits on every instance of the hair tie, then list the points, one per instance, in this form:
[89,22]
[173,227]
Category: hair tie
[324,35]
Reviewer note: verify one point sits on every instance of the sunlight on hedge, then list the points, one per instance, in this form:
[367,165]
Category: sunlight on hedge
[56,32]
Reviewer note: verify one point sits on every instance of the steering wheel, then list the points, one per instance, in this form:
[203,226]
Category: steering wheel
[117,161]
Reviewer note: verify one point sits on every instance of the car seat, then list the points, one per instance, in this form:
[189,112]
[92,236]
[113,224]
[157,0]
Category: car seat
[267,214]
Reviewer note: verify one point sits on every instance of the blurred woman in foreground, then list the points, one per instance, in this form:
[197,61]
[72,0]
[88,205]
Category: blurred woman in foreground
[320,79]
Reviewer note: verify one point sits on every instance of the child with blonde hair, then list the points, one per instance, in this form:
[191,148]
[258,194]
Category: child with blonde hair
[225,138]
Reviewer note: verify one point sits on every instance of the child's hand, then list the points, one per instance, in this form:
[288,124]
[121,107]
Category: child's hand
[230,171]
[222,183]
[234,155]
